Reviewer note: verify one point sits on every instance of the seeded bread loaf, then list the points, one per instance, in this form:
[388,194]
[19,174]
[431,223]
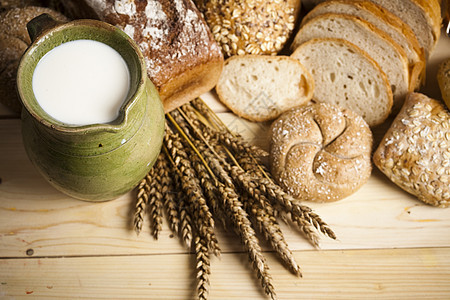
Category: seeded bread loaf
[183,59]
[261,87]
[415,151]
[320,152]
[14,40]
[384,20]
[249,27]
[377,44]
[443,77]
[344,75]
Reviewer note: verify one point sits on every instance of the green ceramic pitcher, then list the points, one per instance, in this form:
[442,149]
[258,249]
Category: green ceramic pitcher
[95,162]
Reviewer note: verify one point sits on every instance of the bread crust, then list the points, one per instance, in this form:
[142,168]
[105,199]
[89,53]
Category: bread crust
[183,60]
[320,152]
[417,64]
[403,70]
[414,153]
[443,78]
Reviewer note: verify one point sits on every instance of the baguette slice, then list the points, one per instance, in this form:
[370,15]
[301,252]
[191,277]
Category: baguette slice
[345,75]
[423,16]
[384,20]
[259,88]
[387,53]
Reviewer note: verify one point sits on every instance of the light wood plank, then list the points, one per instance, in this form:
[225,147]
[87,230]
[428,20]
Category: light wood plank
[33,215]
[350,274]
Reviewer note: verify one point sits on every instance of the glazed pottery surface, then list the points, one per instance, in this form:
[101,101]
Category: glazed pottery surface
[95,162]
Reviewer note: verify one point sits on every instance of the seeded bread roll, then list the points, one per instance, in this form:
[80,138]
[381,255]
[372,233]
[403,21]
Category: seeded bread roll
[320,152]
[14,40]
[443,77]
[344,75]
[183,60]
[261,87]
[249,27]
[415,151]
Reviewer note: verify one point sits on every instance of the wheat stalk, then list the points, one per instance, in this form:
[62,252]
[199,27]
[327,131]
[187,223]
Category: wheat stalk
[190,184]
[232,207]
[141,203]
[203,268]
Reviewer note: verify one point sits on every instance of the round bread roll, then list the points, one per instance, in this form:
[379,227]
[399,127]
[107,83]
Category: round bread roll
[249,27]
[320,152]
[14,40]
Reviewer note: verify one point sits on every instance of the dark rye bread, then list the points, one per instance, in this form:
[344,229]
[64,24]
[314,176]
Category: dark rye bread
[183,59]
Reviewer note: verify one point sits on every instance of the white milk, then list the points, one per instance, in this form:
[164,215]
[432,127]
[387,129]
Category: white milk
[81,82]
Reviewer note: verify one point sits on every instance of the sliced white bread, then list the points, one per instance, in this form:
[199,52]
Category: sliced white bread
[387,53]
[345,75]
[383,19]
[260,88]
[423,16]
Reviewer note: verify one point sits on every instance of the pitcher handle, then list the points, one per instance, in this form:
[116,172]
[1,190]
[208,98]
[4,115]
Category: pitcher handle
[40,25]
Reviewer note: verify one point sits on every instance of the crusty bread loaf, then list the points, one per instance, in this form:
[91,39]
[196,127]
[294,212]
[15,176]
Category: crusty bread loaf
[320,152]
[260,87]
[443,77]
[415,151]
[14,40]
[344,75]
[249,27]
[384,20]
[183,59]
[388,54]
[423,16]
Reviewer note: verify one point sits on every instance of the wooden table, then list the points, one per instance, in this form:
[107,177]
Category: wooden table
[389,244]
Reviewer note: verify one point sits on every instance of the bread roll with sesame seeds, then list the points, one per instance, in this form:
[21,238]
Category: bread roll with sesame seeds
[415,151]
[250,27]
[320,152]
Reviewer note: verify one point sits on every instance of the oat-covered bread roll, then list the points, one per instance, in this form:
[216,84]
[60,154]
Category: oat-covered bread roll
[249,27]
[14,40]
[183,59]
[415,151]
[320,152]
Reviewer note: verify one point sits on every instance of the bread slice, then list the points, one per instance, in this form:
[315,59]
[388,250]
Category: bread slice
[345,75]
[387,53]
[384,20]
[259,88]
[423,16]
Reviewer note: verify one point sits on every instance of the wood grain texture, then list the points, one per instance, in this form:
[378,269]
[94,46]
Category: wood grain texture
[390,245]
[349,274]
